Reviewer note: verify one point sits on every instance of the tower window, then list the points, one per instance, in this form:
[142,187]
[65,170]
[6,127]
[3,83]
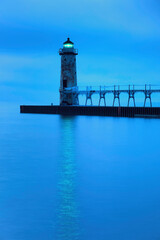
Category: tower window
[64,83]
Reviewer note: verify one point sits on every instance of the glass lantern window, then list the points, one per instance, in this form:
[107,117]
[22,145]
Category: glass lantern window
[68,45]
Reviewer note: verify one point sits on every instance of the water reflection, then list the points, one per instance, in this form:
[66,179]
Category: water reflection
[67,214]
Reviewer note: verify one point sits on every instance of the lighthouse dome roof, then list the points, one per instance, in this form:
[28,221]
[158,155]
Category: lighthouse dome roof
[68,41]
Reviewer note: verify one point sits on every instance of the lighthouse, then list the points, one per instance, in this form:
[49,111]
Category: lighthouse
[68,80]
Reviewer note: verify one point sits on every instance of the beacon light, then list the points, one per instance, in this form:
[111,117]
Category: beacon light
[68,45]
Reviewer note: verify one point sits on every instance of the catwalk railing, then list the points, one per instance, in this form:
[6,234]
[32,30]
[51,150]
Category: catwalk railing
[116,90]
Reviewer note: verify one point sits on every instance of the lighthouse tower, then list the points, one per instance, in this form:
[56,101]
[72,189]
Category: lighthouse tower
[68,81]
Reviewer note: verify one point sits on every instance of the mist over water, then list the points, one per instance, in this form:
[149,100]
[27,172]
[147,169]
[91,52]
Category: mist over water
[78,177]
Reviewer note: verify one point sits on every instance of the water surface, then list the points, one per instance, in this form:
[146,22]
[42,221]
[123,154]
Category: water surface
[78,178]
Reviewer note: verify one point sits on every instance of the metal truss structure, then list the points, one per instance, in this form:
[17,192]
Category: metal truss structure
[102,91]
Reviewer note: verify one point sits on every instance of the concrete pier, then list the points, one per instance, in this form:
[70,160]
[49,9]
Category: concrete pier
[153,112]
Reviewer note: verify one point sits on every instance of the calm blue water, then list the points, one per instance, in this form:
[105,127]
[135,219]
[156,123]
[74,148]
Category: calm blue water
[78,178]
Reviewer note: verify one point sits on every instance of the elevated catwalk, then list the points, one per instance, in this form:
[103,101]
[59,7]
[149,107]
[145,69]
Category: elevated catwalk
[153,112]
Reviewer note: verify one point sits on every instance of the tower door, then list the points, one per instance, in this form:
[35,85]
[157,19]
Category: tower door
[64,83]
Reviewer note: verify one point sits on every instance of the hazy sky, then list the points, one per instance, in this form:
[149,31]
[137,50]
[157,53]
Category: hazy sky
[118,43]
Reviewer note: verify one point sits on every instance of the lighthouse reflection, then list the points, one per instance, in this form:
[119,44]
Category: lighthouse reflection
[67,212]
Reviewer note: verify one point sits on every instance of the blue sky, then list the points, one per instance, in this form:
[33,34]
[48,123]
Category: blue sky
[118,43]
